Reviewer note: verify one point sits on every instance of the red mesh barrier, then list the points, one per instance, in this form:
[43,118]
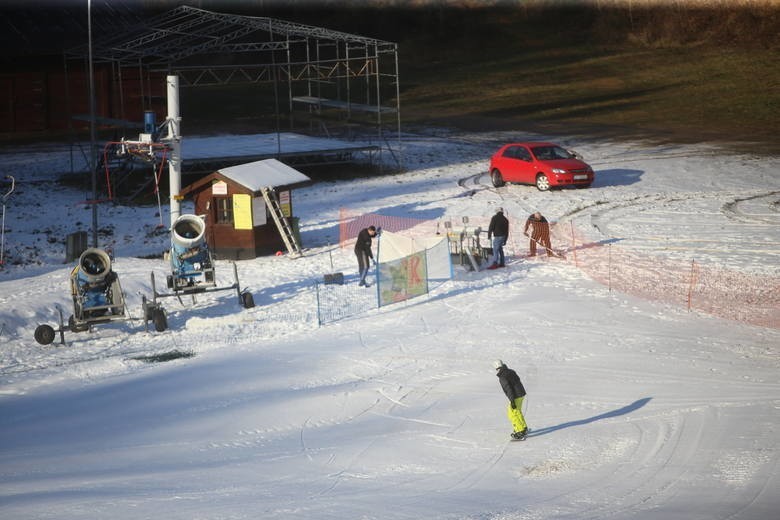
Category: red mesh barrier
[726,293]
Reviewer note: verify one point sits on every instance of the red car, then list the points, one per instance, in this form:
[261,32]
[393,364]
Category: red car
[546,165]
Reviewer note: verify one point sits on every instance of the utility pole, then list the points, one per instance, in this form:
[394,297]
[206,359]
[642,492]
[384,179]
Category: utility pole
[92,124]
[174,139]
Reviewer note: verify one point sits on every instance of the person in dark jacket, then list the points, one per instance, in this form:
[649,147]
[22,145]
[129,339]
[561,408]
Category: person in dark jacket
[499,230]
[540,233]
[363,252]
[515,392]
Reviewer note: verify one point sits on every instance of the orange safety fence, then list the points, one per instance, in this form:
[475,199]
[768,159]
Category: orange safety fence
[350,225]
[726,293]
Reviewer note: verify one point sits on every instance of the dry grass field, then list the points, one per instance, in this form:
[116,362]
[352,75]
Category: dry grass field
[685,74]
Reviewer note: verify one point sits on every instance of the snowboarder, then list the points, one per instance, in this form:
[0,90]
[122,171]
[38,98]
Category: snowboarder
[363,252]
[540,233]
[499,230]
[515,392]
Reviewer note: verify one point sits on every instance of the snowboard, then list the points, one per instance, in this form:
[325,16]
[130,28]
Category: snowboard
[513,439]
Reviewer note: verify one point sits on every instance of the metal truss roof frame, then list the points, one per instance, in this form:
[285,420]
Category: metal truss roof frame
[346,71]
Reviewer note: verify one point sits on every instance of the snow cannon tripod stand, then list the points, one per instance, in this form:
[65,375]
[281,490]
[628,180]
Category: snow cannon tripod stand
[192,269]
[97,297]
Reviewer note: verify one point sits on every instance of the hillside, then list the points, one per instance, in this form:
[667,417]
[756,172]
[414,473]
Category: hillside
[681,71]
[670,71]
[670,74]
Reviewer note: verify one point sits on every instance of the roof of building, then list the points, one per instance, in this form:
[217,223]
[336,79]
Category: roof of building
[266,173]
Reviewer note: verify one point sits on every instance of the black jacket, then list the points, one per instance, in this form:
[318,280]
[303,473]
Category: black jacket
[510,383]
[499,226]
[363,243]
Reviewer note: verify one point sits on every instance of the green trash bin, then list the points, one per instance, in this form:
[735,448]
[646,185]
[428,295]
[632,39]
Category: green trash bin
[76,243]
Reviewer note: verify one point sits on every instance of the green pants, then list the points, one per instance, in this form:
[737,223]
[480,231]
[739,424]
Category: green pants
[516,415]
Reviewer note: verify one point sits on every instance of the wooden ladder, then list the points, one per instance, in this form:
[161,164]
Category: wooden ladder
[285,230]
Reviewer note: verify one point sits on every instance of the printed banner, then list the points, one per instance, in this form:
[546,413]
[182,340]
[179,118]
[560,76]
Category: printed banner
[402,279]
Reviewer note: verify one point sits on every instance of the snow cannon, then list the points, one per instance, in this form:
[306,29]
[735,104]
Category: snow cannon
[96,293]
[91,283]
[191,262]
[192,266]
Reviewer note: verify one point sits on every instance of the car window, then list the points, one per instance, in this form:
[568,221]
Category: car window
[550,153]
[517,152]
[523,154]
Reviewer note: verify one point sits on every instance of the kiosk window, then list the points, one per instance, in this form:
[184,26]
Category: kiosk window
[224,209]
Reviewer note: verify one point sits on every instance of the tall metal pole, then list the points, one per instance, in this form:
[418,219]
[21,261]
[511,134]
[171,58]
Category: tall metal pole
[174,136]
[92,125]
[398,106]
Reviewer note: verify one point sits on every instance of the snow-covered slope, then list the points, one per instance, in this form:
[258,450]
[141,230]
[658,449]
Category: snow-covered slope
[637,409]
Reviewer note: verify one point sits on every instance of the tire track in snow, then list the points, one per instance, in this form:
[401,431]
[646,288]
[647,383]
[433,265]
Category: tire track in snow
[732,209]
[650,482]
[751,237]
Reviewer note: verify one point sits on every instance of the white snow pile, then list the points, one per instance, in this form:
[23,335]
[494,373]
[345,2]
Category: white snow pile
[637,409]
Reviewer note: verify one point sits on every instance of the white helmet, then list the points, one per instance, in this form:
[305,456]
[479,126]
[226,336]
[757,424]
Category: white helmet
[498,364]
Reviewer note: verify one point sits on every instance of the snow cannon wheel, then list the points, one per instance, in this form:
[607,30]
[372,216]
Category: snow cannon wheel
[247,300]
[160,320]
[44,334]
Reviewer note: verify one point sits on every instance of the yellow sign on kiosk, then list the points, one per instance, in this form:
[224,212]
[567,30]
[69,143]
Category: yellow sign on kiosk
[242,211]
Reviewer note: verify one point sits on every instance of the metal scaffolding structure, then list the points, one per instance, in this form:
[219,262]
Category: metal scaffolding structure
[326,76]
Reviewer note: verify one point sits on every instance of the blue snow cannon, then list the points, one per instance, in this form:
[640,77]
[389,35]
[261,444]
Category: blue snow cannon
[191,262]
[192,269]
[93,293]
[93,288]
[97,297]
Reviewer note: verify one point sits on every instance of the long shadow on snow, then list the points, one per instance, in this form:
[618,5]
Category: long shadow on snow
[614,413]
[617,177]
[212,304]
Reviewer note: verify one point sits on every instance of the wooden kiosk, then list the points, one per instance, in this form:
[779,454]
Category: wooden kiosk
[248,209]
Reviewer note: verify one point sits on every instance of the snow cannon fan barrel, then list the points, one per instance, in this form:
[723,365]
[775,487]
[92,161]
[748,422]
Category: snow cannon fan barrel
[188,231]
[94,267]
[189,252]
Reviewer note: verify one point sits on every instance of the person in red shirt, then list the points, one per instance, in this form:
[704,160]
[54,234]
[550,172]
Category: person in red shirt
[540,233]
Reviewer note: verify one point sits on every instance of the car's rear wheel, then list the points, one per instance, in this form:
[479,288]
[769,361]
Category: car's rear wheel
[542,182]
[496,178]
